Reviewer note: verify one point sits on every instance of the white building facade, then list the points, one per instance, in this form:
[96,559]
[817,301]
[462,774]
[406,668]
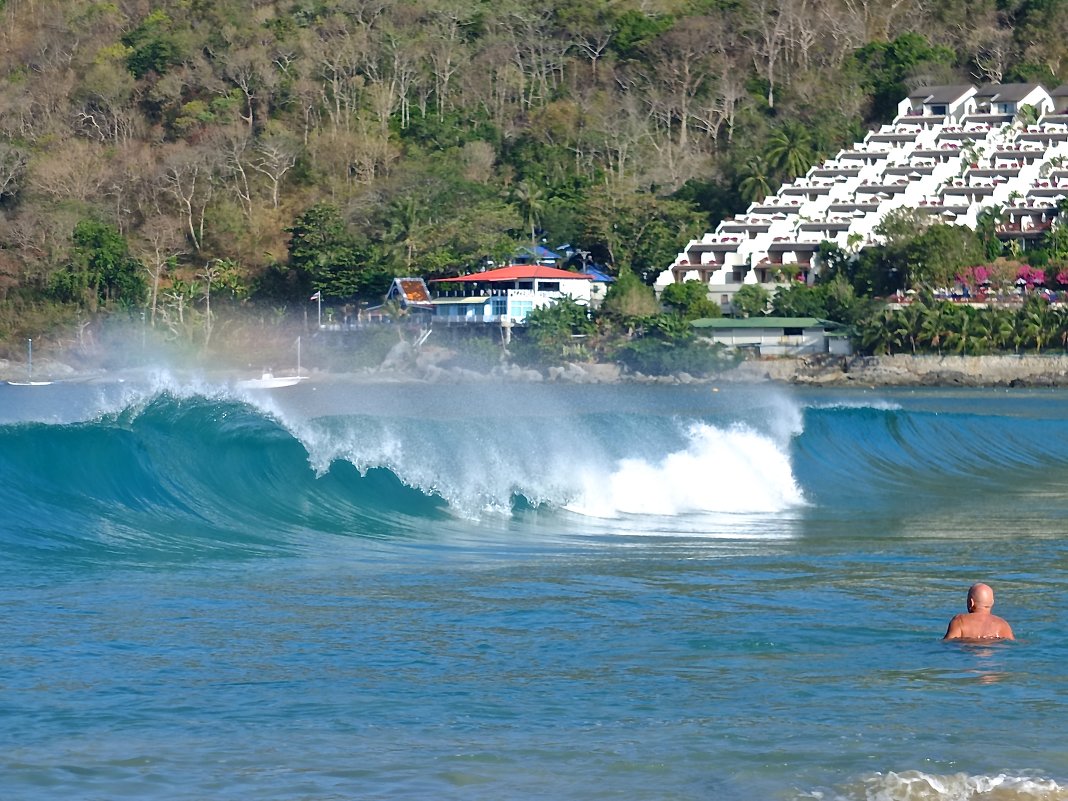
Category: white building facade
[951,151]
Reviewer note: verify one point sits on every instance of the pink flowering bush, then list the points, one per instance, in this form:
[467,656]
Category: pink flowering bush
[1030,276]
[975,277]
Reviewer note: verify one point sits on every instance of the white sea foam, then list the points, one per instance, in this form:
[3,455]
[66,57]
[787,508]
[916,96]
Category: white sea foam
[914,785]
[478,465]
[722,470]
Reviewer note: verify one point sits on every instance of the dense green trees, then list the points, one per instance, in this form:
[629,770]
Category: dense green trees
[887,294]
[927,325]
[690,300]
[101,270]
[631,331]
[556,333]
[752,300]
[324,255]
[885,67]
[337,144]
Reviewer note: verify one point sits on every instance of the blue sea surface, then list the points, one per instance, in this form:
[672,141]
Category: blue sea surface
[492,591]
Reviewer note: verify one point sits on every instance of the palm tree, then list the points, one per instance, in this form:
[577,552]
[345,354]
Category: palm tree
[881,334]
[899,325]
[970,333]
[987,223]
[998,322]
[1033,324]
[531,205]
[406,228]
[789,149]
[1055,240]
[1059,326]
[1027,114]
[934,328]
[893,330]
[756,180]
[910,318]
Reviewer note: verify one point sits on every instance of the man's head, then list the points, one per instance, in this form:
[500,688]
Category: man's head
[980,598]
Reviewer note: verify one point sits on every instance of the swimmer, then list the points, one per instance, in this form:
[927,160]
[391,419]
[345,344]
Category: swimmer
[979,623]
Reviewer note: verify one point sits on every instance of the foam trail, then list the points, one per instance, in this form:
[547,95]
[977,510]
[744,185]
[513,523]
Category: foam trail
[732,470]
[914,785]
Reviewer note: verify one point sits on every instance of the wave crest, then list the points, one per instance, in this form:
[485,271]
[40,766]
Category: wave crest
[733,470]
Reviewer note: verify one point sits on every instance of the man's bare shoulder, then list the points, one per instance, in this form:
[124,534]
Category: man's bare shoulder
[955,630]
[975,628]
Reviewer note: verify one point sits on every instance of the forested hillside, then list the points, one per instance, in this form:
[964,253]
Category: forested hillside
[151,153]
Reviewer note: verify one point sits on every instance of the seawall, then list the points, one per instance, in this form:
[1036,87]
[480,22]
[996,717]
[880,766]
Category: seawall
[1006,370]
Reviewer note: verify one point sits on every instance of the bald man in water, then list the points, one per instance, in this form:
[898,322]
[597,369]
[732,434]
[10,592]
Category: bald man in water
[979,623]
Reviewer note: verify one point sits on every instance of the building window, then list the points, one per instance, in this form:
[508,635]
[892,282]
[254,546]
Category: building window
[548,286]
[525,285]
[499,305]
[521,308]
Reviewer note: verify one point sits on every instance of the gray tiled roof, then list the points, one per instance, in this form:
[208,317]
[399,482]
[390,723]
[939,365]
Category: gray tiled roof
[940,94]
[1006,92]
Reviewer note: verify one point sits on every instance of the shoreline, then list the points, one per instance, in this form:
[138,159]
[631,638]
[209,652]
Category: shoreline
[898,370]
[904,370]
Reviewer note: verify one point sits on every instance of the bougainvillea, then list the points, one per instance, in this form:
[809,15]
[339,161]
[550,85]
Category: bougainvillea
[1030,276]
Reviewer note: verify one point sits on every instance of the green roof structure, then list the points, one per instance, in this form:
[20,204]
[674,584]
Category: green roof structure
[764,322]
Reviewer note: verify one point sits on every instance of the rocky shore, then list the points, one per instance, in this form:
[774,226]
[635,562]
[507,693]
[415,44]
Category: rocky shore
[821,370]
[903,370]
[824,370]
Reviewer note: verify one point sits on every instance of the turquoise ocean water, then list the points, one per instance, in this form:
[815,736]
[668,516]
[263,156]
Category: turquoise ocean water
[529,592]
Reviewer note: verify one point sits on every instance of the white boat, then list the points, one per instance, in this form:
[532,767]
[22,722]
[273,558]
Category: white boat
[271,381]
[29,382]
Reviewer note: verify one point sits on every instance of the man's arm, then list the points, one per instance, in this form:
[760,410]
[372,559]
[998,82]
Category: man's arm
[1007,631]
[955,630]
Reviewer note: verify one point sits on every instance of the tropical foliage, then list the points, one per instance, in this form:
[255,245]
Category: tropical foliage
[690,300]
[939,326]
[330,146]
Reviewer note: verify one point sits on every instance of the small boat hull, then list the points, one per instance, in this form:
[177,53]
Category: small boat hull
[268,381]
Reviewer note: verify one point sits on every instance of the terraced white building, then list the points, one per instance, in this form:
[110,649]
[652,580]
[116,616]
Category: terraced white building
[952,151]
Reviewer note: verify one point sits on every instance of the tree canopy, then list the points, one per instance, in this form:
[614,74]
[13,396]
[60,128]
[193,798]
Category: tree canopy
[335,145]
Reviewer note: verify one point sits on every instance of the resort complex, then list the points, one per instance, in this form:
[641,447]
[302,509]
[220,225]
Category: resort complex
[952,151]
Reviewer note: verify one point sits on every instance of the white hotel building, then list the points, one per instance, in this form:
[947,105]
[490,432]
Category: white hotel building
[952,151]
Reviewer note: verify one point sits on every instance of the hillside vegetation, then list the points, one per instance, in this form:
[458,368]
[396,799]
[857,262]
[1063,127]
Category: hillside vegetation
[160,158]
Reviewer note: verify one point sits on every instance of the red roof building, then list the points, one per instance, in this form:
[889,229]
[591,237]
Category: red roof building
[519,272]
[513,292]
